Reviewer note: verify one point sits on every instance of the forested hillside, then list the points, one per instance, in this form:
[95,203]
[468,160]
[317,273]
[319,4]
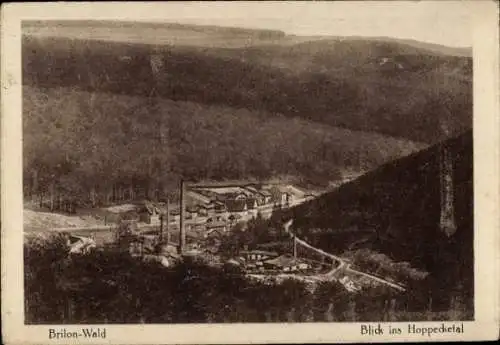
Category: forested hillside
[386,87]
[400,202]
[86,141]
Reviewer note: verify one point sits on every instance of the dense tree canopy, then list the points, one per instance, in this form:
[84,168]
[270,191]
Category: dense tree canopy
[110,144]
[112,287]
[343,83]
[100,123]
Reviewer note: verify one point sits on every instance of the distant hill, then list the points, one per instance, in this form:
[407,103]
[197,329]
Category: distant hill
[400,201]
[157,33]
[385,87]
[422,46]
[197,35]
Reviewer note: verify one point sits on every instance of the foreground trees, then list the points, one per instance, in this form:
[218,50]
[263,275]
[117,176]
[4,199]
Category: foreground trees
[112,287]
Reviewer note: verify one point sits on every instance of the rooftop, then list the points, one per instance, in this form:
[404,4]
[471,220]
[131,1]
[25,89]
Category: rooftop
[236,205]
[216,224]
[192,209]
[284,261]
[259,252]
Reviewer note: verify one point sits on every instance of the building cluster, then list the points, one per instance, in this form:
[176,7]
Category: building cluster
[264,261]
[215,208]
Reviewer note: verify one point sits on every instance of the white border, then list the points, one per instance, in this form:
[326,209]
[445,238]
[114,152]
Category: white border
[486,200]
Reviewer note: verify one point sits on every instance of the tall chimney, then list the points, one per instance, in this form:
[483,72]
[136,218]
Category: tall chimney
[182,235]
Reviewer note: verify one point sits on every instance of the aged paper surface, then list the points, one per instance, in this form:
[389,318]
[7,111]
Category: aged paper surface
[250,172]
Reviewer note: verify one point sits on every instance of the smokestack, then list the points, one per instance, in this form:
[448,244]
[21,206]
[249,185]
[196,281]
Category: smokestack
[182,235]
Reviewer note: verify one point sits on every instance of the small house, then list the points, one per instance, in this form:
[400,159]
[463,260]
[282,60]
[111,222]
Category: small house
[191,212]
[203,210]
[234,262]
[233,218]
[257,255]
[210,208]
[251,189]
[240,196]
[81,244]
[286,199]
[267,196]
[252,207]
[296,192]
[216,225]
[220,207]
[151,213]
[212,241]
[251,204]
[239,207]
[309,196]
[257,194]
[196,196]
[215,218]
[175,216]
[286,263]
[145,213]
[349,284]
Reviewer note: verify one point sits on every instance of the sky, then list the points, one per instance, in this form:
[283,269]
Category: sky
[441,22]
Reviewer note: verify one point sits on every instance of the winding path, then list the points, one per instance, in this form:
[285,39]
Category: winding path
[343,265]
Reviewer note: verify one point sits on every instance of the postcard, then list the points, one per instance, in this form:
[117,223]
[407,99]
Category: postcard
[250,172]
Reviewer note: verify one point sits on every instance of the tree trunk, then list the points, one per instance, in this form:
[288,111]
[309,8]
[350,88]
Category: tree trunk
[93,196]
[167,220]
[429,313]
[70,309]
[329,316]
[34,184]
[109,195]
[51,196]
[268,316]
[392,311]
[161,228]
[131,191]
[351,311]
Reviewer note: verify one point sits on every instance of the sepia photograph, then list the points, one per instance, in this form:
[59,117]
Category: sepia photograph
[279,163]
[192,173]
